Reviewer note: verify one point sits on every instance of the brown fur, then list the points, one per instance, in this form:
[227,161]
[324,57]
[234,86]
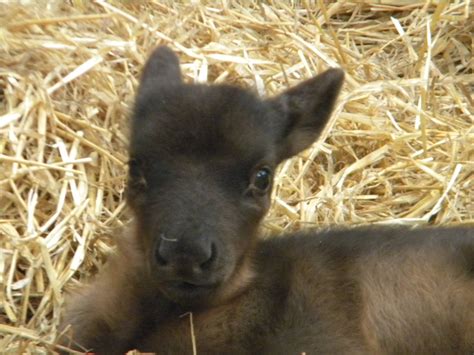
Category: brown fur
[196,188]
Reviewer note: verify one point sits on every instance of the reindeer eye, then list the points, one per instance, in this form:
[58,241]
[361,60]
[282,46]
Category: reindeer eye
[137,178]
[261,179]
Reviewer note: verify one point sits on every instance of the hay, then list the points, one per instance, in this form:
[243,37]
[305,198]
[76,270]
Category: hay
[399,149]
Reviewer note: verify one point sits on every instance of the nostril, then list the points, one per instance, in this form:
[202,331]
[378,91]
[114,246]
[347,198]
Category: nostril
[212,257]
[159,256]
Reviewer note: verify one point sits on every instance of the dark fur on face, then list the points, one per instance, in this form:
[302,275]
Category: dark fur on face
[202,160]
[195,153]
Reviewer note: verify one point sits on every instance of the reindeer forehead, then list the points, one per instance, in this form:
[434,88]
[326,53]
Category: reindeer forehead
[202,120]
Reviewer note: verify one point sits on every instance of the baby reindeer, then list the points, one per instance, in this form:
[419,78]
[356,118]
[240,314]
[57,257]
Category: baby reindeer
[192,276]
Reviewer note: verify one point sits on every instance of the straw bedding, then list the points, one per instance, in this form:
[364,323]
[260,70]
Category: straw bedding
[400,147]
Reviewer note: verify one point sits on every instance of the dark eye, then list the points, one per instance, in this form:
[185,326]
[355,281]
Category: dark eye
[261,179]
[134,166]
[136,172]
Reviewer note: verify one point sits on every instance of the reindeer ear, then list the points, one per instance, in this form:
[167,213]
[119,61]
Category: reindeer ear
[162,68]
[305,109]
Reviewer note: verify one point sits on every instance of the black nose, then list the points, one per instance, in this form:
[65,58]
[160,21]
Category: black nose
[197,255]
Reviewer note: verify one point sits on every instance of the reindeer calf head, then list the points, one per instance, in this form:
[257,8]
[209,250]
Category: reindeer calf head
[202,159]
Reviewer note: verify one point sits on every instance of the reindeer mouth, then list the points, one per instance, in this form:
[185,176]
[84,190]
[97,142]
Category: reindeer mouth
[188,293]
[190,286]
